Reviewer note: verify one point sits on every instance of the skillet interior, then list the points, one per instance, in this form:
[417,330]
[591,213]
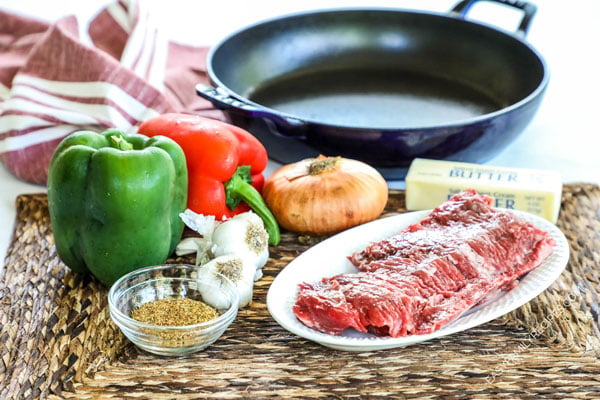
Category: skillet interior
[352,67]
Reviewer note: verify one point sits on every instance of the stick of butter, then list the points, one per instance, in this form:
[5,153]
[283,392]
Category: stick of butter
[431,182]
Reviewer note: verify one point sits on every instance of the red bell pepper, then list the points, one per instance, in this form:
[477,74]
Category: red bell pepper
[225,166]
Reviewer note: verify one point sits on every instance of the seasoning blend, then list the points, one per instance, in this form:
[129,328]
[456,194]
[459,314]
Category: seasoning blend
[176,311]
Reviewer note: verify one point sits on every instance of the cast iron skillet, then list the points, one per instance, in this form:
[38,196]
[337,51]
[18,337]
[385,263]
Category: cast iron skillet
[379,85]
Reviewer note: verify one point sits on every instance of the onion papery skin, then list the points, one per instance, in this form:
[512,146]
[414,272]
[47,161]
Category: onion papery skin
[349,194]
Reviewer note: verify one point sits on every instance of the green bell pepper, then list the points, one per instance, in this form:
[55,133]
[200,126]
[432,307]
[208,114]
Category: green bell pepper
[114,201]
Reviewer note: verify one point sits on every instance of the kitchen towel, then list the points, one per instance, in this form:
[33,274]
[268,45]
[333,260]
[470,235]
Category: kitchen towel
[54,82]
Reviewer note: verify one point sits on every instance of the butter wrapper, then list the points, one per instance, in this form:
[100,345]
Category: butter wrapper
[431,182]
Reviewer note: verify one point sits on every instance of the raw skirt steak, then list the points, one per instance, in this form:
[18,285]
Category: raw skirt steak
[420,279]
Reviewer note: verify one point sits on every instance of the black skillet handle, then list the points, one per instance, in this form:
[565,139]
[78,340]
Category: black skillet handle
[528,9]
[223,101]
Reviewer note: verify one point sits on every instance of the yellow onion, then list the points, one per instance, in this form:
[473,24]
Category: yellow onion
[325,195]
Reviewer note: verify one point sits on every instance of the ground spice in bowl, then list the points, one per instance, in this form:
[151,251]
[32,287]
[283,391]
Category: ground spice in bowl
[176,311]
[166,311]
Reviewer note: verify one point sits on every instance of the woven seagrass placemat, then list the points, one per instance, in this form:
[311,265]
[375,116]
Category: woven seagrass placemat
[57,339]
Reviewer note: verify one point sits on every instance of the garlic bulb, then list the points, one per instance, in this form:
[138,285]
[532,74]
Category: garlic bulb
[237,248]
[243,235]
[238,270]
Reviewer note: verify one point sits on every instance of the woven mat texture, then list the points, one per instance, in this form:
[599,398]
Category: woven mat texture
[58,340]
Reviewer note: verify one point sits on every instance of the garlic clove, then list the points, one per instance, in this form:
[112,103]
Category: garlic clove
[197,245]
[258,274]
[187,246]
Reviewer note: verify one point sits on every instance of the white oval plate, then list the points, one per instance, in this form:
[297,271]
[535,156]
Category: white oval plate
[329,258]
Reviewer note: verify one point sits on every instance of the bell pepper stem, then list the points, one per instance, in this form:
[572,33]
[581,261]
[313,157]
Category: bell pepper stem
[119,142]
[238,188]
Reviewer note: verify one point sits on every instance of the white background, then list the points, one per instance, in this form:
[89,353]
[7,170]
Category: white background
[563,136]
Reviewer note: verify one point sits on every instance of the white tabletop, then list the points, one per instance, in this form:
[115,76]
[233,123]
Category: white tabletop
[564,134]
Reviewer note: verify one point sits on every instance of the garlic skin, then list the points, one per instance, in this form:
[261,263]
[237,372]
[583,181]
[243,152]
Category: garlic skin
[238,270]
[243,235]
[203,224]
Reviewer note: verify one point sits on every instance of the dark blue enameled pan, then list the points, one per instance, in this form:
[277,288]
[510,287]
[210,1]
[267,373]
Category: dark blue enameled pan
[379,85]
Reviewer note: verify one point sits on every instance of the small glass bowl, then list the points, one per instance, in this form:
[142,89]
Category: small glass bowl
[168,281]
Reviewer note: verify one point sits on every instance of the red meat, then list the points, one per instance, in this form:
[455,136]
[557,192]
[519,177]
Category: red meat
[429,273]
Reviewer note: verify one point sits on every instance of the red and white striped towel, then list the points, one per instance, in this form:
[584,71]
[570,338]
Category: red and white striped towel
[53,84]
